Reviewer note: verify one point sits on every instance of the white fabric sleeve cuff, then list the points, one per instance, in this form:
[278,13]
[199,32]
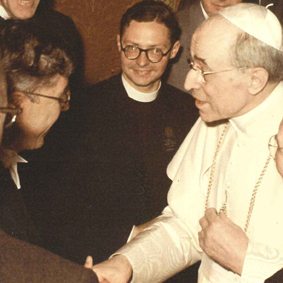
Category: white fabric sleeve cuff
[160,251]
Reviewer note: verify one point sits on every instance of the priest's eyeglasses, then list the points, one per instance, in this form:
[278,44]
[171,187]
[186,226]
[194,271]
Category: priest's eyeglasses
[202,74]
[154,55]
[64,99]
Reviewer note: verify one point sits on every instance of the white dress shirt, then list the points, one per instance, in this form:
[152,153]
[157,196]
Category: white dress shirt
[171,243]
[10,160]
[3,13]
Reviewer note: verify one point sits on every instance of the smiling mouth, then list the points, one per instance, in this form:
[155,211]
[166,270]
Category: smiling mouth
[25,2]
[142,72]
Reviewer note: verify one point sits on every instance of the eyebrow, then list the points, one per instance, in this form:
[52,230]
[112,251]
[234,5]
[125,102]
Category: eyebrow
[203,61]
[150,46]
[200,59]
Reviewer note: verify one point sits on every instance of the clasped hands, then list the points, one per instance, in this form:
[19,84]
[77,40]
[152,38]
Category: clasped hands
[114,270]
[223,241]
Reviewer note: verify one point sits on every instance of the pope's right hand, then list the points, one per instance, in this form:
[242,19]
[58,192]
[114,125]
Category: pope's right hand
[114,270]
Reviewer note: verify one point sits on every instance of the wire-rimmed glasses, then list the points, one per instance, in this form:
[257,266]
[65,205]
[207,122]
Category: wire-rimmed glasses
[202,73]
[64,99]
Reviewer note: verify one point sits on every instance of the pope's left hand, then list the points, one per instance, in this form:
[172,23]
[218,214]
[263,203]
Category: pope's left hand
[223,241]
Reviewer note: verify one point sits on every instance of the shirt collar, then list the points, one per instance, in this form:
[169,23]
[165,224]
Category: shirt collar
[3,13]
[138,95]
[203,11]
[266,116]
[10,160]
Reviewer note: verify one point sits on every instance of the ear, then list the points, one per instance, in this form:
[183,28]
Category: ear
[258,81]
[175,49]
[119,42]
[17,99]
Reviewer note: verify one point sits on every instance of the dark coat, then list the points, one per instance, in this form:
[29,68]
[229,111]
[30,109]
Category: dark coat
[19,260]
[22,262]
[276,278]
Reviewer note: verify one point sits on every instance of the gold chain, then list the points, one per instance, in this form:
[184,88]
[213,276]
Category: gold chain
[211,178]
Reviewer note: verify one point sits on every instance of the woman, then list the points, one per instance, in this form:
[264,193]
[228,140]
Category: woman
[37,70]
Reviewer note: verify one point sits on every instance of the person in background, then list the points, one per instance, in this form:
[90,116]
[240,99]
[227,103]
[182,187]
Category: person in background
[225,202]
[15,9]
[189,19]
[276,6]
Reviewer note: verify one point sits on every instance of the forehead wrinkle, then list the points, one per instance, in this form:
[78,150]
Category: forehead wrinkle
[213,41]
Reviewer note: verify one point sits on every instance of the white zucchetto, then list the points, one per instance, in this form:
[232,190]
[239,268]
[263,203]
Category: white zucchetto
[257,21]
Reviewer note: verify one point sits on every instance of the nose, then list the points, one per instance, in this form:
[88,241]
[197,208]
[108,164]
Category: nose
[142,60]
[192,80]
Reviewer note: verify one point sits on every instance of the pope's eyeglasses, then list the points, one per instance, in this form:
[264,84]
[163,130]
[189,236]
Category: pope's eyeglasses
[202,74]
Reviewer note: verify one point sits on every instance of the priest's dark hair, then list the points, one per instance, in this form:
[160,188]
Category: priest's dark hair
[149,11]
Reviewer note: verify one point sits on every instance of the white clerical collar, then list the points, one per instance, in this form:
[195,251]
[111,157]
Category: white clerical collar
[138,95]
[203,11]
[3,13]
[10,160]
[268,110]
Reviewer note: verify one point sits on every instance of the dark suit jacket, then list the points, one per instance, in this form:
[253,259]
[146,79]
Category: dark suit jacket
[15,219]
[189,20]
[113,176]
[276,278]
[22,262]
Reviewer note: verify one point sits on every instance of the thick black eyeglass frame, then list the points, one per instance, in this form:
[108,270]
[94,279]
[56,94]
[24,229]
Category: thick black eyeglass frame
[145,50]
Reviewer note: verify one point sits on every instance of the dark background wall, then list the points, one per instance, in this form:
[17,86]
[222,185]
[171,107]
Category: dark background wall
[98,24]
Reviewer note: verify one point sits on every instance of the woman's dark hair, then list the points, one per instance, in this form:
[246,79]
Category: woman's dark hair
[32,55]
